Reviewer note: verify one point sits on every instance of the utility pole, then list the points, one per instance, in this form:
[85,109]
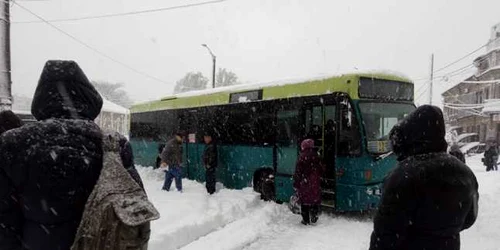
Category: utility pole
[214,58]
[432,79]
[5,77]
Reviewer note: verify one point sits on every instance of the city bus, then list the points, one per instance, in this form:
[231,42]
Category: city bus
[258,129]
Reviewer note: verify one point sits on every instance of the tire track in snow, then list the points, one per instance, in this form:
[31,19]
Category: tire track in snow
[217,217]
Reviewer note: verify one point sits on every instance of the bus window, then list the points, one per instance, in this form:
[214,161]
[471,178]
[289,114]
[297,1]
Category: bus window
[330,133]
[349,136]
[378,119]
[314,124]
[287,127]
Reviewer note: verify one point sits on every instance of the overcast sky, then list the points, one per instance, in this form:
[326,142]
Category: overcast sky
[260,40]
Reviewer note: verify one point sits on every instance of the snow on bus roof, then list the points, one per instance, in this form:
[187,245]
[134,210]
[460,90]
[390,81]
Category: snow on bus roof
[251,86]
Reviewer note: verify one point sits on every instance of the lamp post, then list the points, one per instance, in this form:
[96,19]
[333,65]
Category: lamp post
[5,65]
[213,66]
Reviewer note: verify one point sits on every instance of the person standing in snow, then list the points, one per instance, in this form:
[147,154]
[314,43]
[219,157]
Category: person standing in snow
[307,181]
[431,196]
[210,162]
[51,165]
[455,151]
[171,160]
[491,157]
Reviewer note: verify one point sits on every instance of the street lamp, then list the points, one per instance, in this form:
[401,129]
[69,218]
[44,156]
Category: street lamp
[213,60]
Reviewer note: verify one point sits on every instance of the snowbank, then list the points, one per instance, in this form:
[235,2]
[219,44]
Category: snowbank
[187,216]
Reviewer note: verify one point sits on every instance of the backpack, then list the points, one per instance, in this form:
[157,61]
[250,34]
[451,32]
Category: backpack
[117,214]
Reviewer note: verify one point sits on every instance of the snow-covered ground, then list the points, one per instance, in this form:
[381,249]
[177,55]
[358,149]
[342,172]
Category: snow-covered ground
[238,219]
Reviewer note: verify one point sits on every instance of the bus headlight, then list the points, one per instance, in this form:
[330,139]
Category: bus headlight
[377,191]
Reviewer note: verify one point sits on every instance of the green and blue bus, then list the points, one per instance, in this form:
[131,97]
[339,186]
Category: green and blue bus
[259,128]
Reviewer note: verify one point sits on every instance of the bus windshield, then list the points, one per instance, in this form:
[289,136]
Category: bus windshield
[379,118]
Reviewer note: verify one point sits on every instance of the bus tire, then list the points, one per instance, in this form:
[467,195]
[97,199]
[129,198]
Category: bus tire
[267,188]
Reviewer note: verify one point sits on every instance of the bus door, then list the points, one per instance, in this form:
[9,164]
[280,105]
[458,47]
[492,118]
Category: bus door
[287,149]
[329,155]
[320,125]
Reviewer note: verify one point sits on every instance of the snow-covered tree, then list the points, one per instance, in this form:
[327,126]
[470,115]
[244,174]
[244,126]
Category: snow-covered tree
[191,81]
[225,78]
[113,92]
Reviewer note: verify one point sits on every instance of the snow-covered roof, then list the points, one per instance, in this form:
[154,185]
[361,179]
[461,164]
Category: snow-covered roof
[465,135]
[469,146]
[21,112]
[108,106]
[491,106]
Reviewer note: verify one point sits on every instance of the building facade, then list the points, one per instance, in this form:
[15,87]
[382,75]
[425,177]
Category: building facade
[473,105]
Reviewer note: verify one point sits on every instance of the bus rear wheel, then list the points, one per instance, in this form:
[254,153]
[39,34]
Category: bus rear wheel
[263,183]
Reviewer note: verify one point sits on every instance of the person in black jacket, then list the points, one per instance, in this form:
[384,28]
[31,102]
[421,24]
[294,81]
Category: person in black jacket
[8,121]
[430,196]
[455,151]
[52,165]
[210,162]
[127,156]
[491,157]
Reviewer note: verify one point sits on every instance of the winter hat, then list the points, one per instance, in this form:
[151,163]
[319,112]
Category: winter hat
[421,132]
[307,144]
[64,91]
[8,121]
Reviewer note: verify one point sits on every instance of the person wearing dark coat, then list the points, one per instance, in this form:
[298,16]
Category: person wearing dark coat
[455,151]
[307,181]
[430,196]
[8,240]
[491,158]
[210,162]
[171,159]
[51,165]
[127,156]
[8,121]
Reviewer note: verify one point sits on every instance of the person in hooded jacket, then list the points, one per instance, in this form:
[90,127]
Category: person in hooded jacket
[307,181]
[51,165]
[455,151]
[8,121]
[431,196]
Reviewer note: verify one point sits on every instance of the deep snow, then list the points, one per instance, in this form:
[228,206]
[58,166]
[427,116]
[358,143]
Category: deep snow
[238,219]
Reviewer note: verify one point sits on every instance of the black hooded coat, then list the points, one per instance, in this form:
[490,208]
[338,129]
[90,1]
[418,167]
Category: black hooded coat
[51,166]
[430,196]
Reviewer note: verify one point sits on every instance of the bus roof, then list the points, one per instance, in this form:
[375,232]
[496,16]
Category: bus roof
[269,91]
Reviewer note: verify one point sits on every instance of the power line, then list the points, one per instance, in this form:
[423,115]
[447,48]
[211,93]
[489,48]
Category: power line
[425,91]
[88,46]
[138,12]
[454,62]
[460,59]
